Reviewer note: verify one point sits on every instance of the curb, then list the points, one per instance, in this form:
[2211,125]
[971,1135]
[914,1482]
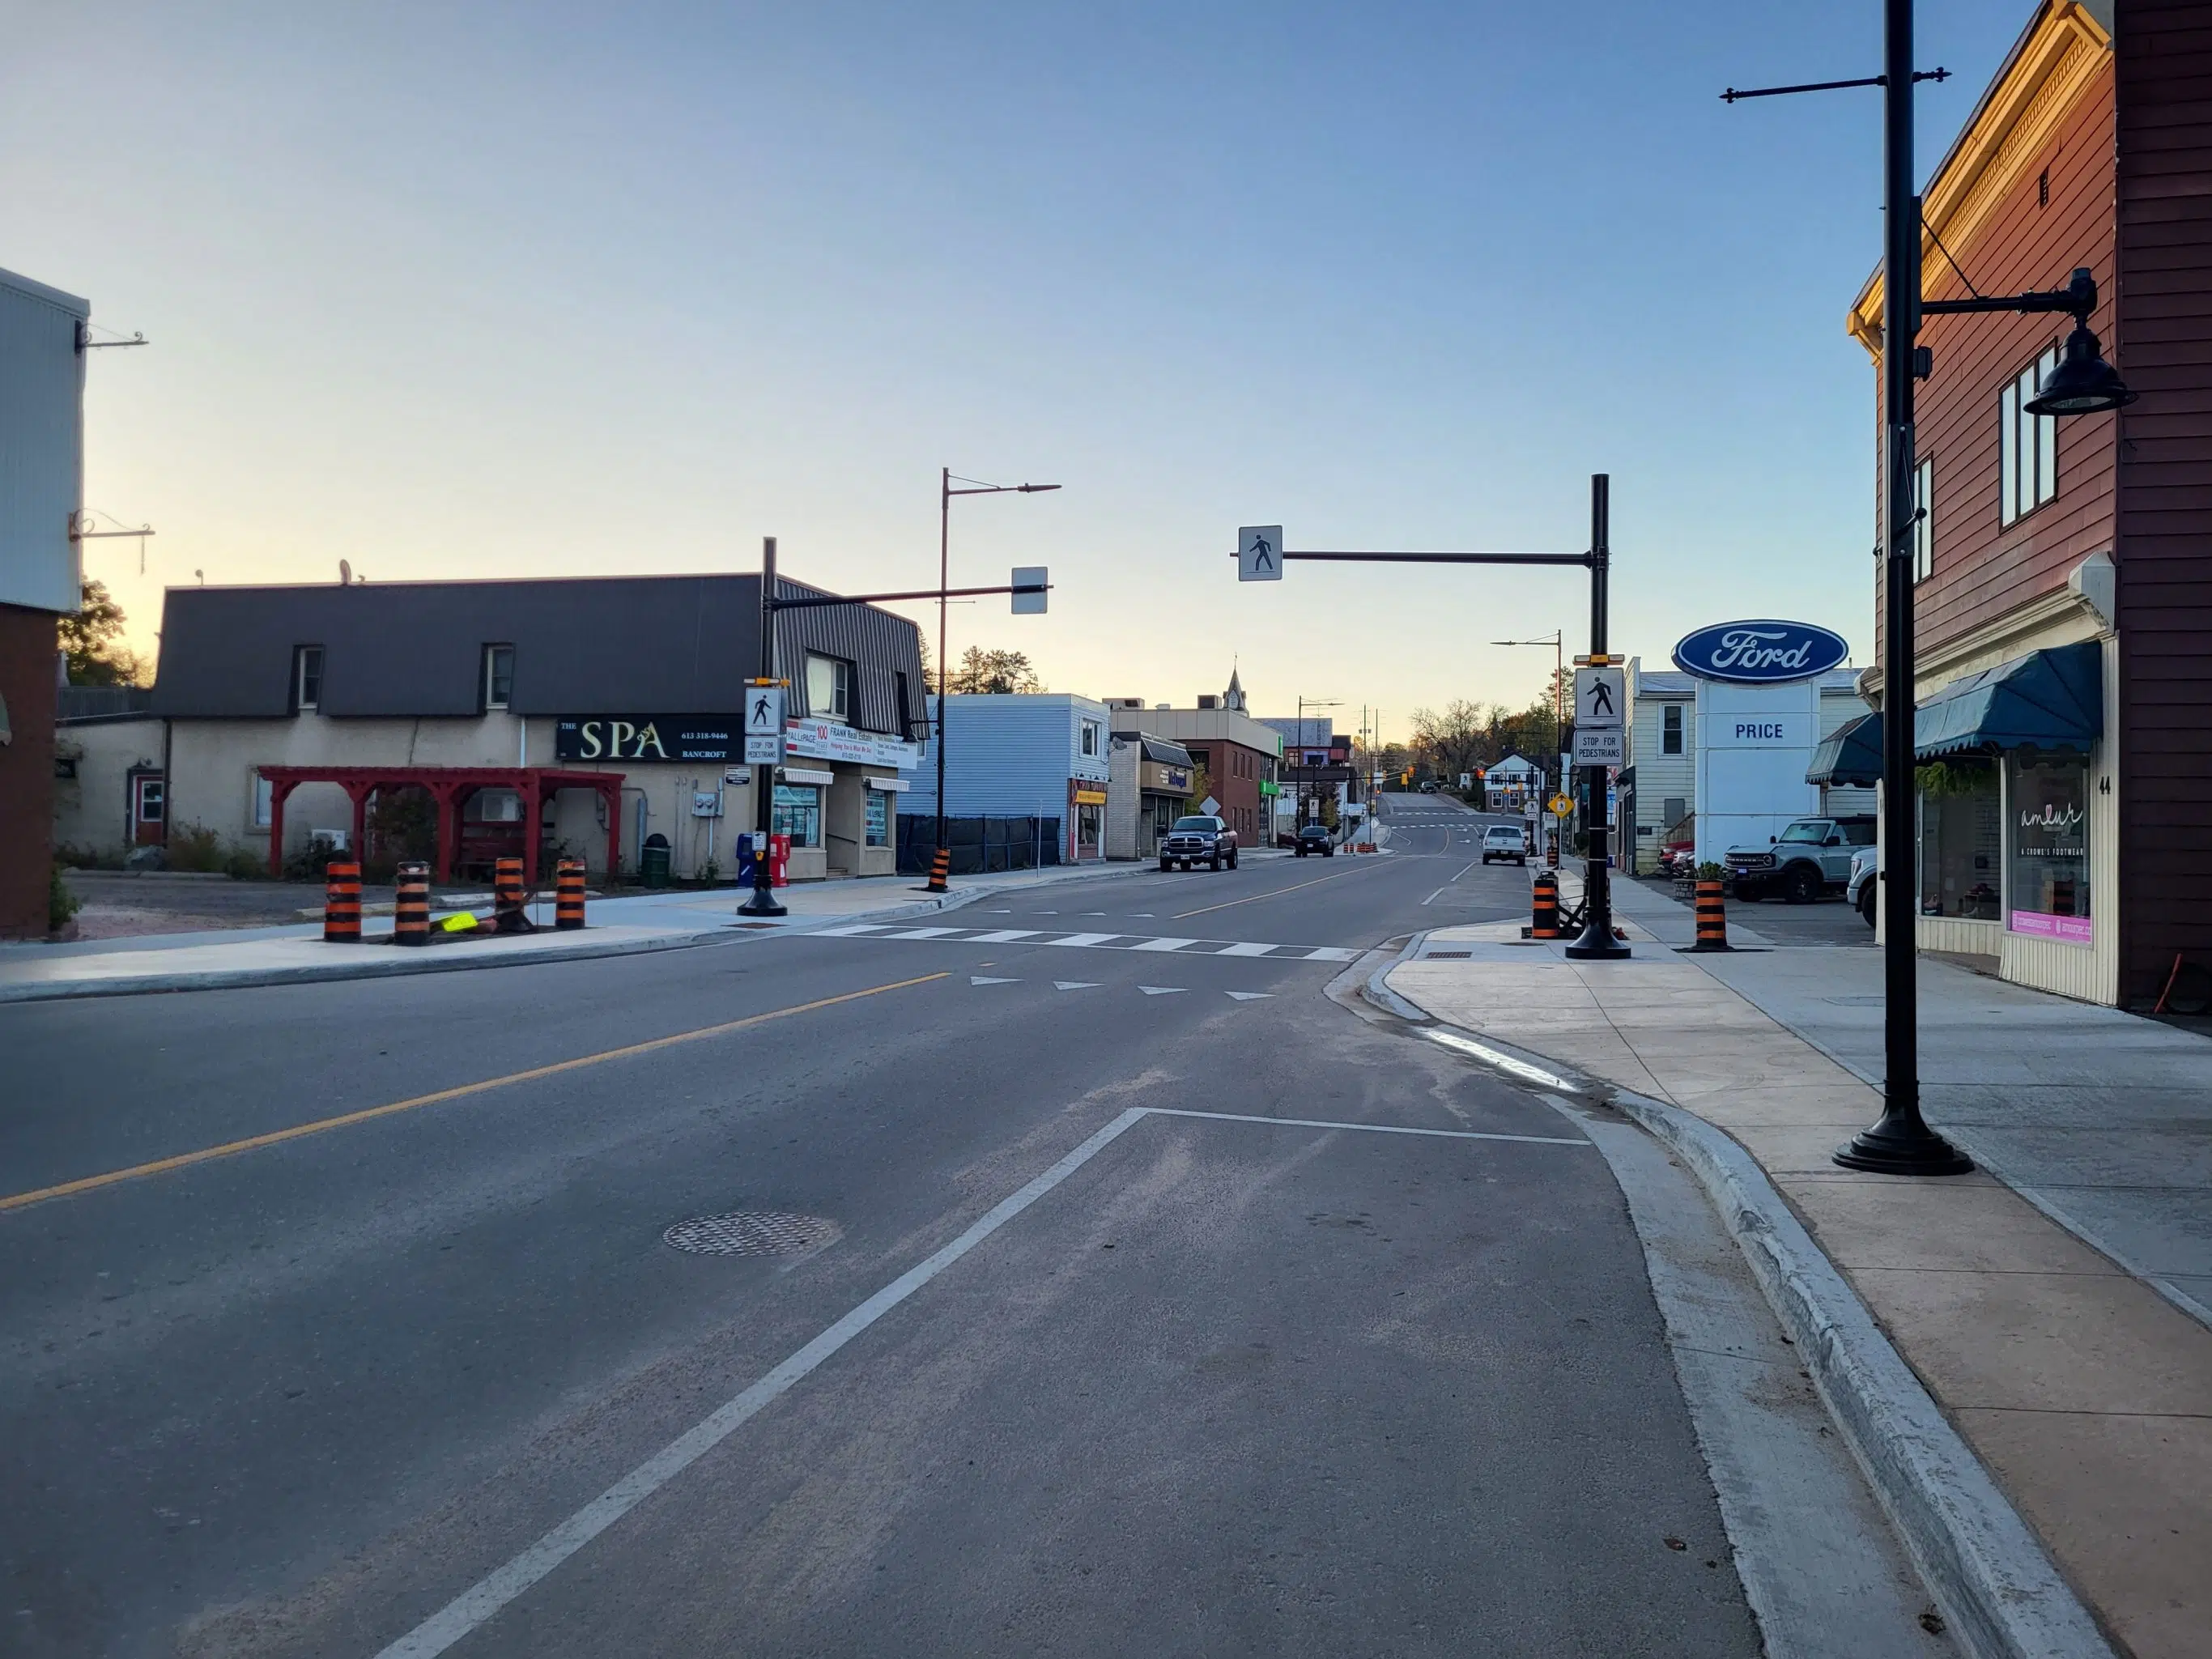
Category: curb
[384,966]
[2003,1597]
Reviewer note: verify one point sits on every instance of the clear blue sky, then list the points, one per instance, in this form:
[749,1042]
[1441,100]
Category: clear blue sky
[486,290]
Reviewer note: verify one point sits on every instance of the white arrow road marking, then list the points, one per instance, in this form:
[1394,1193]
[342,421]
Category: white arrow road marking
[1161,990]
[1250,996]
[986,979]
[1075,984]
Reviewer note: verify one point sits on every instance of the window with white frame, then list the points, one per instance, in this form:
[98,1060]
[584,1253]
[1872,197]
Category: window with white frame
[2027,445]
[1923,520]
[1670,729]
[498,676]
[1089,742]
[307,677]
[264,802]
[829,688]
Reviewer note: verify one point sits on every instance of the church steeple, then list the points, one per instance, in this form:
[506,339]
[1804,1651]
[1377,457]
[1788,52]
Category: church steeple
[1234,697]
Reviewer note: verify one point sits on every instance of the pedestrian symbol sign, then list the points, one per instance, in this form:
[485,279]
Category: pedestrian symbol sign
[763,725]
[1260,553]
[1561,806]
[1600,699]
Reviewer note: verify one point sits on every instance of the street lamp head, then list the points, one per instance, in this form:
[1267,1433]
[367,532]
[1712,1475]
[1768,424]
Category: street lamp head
[1031,490]
[2083,383]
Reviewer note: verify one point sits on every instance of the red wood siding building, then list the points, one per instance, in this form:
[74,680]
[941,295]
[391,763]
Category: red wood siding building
[2093,148]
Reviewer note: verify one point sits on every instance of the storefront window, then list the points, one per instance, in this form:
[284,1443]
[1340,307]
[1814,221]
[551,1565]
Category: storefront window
[798,813]
[1090,822]
[879,818]
[2048,891]
[1961,838]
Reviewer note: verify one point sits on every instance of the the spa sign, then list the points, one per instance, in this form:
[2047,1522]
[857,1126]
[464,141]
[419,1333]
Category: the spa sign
[1760,653]
[647,737]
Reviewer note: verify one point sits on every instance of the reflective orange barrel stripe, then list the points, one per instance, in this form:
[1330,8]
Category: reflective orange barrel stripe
[507,887]
[410,915]
[341,903]
[1547,906]
[1712,918]
[940,868]
[569,895]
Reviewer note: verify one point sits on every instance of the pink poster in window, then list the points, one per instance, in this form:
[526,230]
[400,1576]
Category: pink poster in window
[2068,930]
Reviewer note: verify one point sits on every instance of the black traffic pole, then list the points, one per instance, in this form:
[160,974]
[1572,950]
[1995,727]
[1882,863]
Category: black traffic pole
[2083,384]
[1597,940]
[762,901]
[1901,1143]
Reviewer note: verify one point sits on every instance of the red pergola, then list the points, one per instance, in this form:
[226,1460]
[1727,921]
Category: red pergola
[451,787]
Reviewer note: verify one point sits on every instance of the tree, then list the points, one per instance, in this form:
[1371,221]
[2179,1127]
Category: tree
[1456,741]
[93,638]
[995,672]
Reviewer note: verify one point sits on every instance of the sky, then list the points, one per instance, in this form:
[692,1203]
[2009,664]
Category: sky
[483,290]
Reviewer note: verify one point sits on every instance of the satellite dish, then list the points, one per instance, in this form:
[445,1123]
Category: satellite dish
[345,573]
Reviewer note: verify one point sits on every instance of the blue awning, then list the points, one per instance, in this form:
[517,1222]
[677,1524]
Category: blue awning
[2052,699]
[1850,755]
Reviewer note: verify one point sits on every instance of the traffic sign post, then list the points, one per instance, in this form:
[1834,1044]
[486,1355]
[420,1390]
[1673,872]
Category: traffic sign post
[1601,691]
[765,697]
[1261,556]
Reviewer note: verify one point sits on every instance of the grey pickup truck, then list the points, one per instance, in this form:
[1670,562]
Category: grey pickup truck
[1812,857]
[1198,840]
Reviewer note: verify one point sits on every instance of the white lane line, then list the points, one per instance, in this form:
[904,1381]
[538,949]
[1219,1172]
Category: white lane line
[1368,1129]
[1083,939]
[1245,951]
[1164,944]
[1005,935]
[477,1605]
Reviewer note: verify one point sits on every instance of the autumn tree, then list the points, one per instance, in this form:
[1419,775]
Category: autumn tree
[995,672]
[93,640]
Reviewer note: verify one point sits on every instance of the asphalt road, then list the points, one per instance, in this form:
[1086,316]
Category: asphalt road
[1045,1367]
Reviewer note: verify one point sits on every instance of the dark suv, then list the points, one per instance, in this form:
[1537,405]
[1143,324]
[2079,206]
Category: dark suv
[1315,838]
[1198,840]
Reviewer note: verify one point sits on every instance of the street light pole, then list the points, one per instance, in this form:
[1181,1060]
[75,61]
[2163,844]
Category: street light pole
[941,867]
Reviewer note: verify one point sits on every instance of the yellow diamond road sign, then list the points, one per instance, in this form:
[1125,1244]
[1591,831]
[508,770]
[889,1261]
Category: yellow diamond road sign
[1561,806]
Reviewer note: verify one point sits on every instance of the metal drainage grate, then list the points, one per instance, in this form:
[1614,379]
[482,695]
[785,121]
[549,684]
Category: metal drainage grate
[753,1232]
[1441,955]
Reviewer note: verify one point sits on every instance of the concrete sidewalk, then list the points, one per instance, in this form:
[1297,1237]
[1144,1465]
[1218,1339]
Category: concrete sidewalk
[674,920]
[2066,1355]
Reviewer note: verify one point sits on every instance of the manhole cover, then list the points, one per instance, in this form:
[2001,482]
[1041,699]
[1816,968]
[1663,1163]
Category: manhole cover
[753,1232]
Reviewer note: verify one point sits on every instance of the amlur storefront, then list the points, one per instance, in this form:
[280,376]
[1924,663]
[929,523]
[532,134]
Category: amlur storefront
[2016,813]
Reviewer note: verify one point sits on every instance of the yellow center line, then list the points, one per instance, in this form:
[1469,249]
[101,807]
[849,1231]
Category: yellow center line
[277,1137]
[1277,892]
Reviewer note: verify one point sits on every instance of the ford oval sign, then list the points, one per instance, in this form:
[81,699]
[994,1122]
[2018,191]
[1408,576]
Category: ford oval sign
[1760,652]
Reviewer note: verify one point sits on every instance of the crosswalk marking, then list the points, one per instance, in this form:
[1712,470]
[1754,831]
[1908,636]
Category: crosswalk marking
[1132,942]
